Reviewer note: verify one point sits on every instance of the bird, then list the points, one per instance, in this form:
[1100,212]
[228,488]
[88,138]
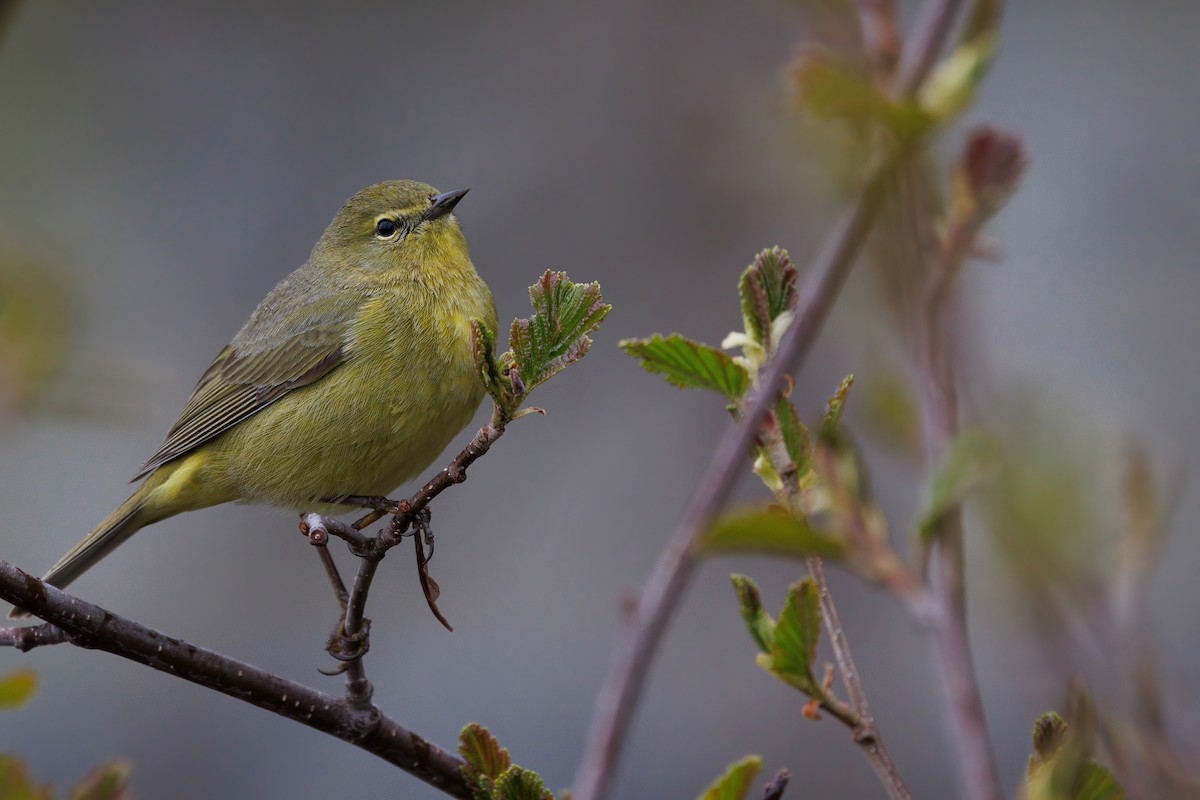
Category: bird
[350,377]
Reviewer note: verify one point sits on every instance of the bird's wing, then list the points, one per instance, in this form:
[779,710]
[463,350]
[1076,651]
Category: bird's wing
[244,380]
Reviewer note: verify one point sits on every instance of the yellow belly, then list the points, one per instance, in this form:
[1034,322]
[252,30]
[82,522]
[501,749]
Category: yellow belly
[404,392]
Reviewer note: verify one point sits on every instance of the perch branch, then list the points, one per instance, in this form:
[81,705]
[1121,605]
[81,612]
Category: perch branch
[92,627]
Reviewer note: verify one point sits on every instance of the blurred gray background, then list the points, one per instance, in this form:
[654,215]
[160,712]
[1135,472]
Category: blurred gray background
[179,160]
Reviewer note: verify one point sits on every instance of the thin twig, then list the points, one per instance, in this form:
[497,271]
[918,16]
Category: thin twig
[665,586]
[857,717]
[27,637]
[774,789]
[979,774]
[90,626]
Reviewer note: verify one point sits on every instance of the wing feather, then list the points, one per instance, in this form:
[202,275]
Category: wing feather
[238,385]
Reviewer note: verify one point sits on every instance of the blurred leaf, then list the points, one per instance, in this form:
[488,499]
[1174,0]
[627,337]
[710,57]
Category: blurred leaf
[758,621]
[17,687]
[828,89]
[485,759]
[689,364]
[794,433]
[37,325]
[796,633]
[766,530]
[951,86]
[516,783]
[767,290]
[1061,767]
[891,412]
[973,458]
[985,175]
[108,782]
[736,781]
[1049,732]
[557,334]
[15,783]
[833,409]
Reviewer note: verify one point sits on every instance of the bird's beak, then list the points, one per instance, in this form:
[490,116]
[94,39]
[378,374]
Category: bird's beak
[442,204]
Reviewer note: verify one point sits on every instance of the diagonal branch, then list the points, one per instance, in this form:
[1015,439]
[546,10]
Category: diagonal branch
[92,627]
[664,588]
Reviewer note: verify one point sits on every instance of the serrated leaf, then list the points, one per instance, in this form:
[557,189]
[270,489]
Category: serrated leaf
[485,760]
[1049,731]
[758,621]
[764,530]
[689,365]
[767,289]
[557,333]
[796,634]
[17,687]
[15,783]
[833,409]
[970,460]
[736,781]
[483,349]
[108,782]
[794,433]
[517,783]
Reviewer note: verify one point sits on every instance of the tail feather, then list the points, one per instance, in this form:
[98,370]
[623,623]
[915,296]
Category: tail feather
[115,529]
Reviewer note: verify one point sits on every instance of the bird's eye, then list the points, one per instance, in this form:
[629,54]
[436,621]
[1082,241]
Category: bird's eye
[385,228]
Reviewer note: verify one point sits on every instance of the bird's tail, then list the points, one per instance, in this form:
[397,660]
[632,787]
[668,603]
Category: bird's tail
[130,516]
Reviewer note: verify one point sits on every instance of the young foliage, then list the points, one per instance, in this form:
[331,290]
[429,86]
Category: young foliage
[555,336]
[789,644]
[797,631]
[827,88]
[758,621]
[489,770]
[833,409]
[690,365]
[794,434]
[766,530]
[736,782]
[767,290]
[1061,768]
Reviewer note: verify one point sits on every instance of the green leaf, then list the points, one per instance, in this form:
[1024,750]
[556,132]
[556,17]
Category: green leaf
[15,783]
[767,289]
[796,634]
[690,365]
[758,621]
[520,784]
[828,89]
[971,460]
[17,687]
[485,759]
[766,530]
[795,434]
[736,781]
[1060,767]
[483,349]
[108,782]
[953,83]
[557,334]
[833,409]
